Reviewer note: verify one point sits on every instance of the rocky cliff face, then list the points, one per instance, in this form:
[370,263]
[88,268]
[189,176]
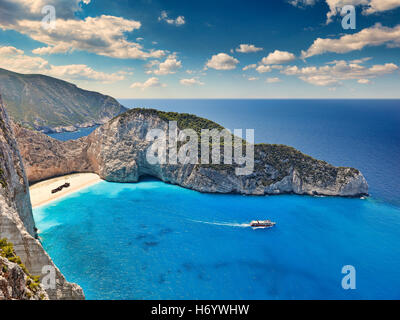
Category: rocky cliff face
[45,157]
[15,285]
[16,220]
[117,152]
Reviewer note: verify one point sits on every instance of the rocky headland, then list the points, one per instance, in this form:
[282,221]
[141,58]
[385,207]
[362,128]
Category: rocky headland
[116,151]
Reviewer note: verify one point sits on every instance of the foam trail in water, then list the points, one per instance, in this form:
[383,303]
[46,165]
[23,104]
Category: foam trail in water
[226,224]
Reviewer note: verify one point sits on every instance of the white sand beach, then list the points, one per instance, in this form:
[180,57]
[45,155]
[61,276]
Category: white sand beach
[41,192]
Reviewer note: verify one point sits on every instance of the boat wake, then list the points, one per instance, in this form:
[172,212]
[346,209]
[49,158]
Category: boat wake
[226,224]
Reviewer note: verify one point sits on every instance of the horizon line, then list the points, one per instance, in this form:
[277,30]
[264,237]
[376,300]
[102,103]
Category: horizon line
[258,98]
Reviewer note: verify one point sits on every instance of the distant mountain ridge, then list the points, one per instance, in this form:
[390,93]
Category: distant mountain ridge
[52,105]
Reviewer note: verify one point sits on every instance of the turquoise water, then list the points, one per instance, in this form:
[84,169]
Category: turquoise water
[157,241]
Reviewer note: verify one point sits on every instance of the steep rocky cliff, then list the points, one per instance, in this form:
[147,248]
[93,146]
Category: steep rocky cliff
[16,283]
[117,152]
[16,220]
[45,157]
[13,283]
[52,105]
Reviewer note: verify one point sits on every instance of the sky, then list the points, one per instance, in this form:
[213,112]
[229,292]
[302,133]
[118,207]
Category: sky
[207,49]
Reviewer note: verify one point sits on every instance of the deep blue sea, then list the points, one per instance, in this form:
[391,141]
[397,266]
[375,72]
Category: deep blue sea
[152,240]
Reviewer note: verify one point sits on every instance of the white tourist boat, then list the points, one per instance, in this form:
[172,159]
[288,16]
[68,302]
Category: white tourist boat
[262,224]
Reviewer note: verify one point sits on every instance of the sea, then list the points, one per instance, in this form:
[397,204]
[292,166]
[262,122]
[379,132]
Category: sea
[81,132]
[152,240]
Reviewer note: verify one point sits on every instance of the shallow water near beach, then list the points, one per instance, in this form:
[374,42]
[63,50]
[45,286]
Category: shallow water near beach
[153,240]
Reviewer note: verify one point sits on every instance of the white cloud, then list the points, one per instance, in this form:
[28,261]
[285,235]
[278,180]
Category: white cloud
[382,5]
[83,72]
[364,81]
[373,36]
[302,3]
[222,61]
[248,48]
[169,66]
[263,69]
[15,60]
[191,82]
[250,66]
[10,51]
[196,72]
[149,83]
[335,6]
[362,60]
[278,57]
[369,6]
[180,20]
[328,75]
[13,10]
[104,35]
[252,78]
[273,80]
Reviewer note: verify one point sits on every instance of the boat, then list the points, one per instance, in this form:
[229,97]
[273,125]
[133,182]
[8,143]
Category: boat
[262,224]
[65,185]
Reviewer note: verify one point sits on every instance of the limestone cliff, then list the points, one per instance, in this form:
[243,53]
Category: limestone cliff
[16,220]
[117,152]
[16,282]
[45,157]
[15,285]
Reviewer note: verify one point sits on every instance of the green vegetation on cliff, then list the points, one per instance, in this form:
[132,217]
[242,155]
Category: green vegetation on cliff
[3,182]
[272,162]
[7,251]
[184,120]
[283,158]
[41,102]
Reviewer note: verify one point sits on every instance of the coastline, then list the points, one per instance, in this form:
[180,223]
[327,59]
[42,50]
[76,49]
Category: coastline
[41,192]
[66,129]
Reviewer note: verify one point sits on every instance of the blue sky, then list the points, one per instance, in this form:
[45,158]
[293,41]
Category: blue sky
[208,49]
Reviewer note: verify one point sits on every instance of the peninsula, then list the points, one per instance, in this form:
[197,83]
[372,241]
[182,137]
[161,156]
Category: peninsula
[116,151]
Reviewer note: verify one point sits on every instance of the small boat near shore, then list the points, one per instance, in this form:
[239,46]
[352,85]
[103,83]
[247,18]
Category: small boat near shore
[255,224]
[65,185]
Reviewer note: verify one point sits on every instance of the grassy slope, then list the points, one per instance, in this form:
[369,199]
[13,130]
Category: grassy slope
[38,100]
